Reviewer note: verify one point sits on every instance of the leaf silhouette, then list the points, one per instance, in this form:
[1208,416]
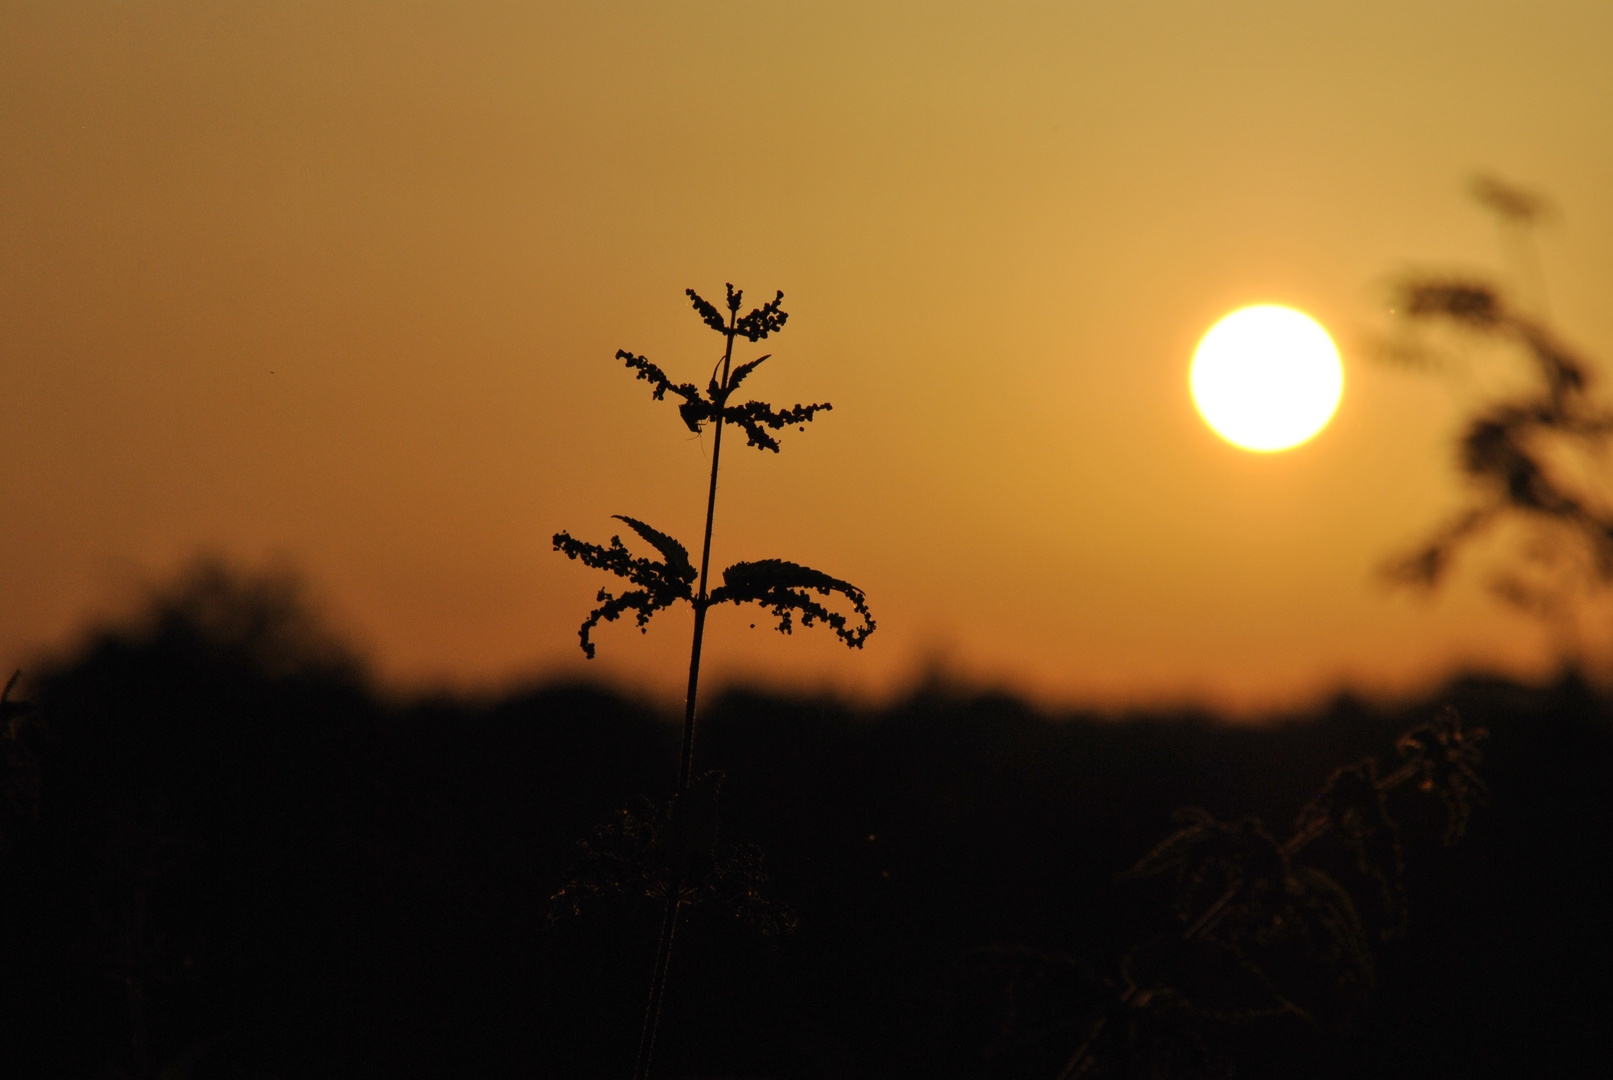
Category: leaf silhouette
[676,555]
[1177,849]
[784,588]
[660,584]
[1354,805]
[1333,912]
[739,374]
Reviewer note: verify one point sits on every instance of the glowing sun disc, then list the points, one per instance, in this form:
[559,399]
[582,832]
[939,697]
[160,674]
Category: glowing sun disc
[1266,378]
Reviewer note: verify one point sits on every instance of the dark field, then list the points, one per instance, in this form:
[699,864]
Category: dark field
[224,854]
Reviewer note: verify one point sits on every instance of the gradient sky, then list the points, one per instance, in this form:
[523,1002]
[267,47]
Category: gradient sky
[338,285]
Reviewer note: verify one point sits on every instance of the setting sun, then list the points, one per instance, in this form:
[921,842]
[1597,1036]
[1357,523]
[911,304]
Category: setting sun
[1266,378]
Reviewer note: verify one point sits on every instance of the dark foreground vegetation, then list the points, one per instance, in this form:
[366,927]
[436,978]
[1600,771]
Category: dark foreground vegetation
[223,856]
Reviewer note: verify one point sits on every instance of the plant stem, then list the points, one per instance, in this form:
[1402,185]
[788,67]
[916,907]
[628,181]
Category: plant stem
[652,1011]
[686,765]
[663,955]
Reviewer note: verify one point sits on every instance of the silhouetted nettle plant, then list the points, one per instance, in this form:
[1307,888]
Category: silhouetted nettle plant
[673,854]
[1533,457]
[1264,928]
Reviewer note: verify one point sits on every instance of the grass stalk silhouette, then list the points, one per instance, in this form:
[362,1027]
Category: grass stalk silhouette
[675,857]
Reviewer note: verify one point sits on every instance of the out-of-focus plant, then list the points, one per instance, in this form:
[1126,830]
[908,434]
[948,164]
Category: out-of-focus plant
[659,851]
[1272,927]
[673,854]
[1534,455]
[1259,928]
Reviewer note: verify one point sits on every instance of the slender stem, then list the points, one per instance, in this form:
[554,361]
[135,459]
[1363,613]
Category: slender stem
[686,765]
[652,1012]
[663,955]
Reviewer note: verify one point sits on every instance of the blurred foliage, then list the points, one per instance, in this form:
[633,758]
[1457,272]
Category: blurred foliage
[1265,929]
[653,852]
[1533,453]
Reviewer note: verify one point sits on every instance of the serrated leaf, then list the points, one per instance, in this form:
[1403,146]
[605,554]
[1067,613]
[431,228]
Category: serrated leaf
[1172,852]
[739,373]
[1336,911]
[783,587]
[676,555]
[661,584]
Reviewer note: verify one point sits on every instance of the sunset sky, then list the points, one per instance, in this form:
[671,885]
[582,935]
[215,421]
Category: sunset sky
[337,286]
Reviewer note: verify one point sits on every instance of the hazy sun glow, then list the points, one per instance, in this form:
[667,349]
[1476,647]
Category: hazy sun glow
[1267,378]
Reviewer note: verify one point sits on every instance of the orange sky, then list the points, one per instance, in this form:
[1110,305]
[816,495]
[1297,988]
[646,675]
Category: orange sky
[339,285]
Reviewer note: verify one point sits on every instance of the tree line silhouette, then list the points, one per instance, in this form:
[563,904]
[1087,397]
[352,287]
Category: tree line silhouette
[224,853]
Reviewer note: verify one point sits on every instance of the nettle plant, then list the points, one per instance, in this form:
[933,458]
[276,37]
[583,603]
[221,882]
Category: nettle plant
[673,855]
[1263,929]
[1268,928]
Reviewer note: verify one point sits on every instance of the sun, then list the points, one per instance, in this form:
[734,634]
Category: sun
[1266,378]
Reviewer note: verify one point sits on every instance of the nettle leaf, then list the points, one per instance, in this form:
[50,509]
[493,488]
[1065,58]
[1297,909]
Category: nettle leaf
[675,554]
[660,584]
[753,416]
[1354,807]
[1333,914]
[1179,848]
[1211,856]
[735,378]
[784,587]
